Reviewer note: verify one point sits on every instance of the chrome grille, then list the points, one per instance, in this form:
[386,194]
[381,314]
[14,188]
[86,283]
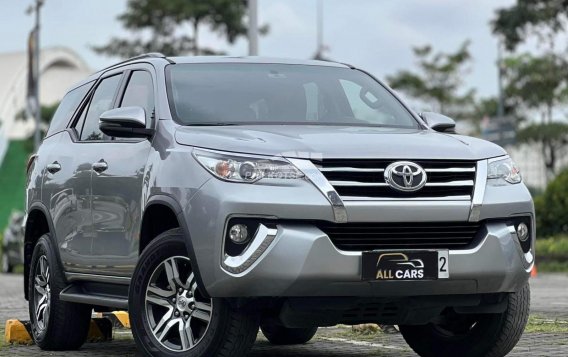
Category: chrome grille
[364,179]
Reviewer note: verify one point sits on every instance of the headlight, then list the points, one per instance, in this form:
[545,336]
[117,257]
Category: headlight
[501,172]
[245,168]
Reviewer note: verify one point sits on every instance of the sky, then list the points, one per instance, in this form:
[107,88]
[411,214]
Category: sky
[376,35]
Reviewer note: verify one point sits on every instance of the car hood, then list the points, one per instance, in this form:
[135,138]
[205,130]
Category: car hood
[319,141]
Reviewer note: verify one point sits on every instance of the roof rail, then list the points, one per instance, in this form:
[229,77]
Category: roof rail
[348,65]
[142,56]
[149,54]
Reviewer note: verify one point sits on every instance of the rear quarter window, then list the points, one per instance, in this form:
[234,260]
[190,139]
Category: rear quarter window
[67,108]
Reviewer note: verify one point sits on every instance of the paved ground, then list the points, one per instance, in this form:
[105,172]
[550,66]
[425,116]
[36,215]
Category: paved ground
[549,299]
[549,296]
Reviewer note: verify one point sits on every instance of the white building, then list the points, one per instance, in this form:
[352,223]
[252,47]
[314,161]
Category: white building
[531,162]
[59,69]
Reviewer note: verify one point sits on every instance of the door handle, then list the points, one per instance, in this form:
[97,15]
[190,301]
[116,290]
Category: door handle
[100,166]
[53,167]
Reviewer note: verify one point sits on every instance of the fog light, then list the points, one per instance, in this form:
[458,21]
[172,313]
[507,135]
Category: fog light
[238,233]
[522,232]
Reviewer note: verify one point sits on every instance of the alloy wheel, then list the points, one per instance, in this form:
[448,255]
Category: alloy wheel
[42,293]
[178,314]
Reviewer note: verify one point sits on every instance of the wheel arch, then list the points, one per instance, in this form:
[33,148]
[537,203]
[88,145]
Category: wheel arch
[166,206]
[38,222]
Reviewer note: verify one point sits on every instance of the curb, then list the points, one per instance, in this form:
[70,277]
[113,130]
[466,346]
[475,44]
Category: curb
[119,319]
[19,331]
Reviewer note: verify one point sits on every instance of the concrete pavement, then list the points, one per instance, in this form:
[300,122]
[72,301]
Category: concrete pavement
[549,300]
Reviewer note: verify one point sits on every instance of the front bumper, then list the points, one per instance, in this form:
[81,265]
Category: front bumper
[300,260]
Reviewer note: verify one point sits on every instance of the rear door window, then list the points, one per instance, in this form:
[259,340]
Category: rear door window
[67,108]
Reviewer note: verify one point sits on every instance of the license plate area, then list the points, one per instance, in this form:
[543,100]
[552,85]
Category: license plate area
[405,265]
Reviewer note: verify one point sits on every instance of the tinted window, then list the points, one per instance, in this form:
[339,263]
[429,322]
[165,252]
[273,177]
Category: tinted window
[100,102]
[244,93]
[67,107]
[140,92]
[79,124]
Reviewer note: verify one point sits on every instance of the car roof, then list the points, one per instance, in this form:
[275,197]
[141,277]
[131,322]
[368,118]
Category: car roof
[152,57]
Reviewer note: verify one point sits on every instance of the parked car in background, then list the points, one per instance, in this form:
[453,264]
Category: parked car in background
[13,243]
[211,196]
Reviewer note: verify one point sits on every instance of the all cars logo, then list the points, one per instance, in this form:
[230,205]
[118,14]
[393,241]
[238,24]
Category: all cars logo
[397,266]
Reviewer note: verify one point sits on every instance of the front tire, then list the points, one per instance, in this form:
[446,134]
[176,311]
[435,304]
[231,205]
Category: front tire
[280,335]
[56,325]
[489,335]
[169,314]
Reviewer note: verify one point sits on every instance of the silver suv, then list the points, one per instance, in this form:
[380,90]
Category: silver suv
[211,196]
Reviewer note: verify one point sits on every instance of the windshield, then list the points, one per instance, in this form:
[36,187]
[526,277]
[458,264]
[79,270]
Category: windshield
[245,93]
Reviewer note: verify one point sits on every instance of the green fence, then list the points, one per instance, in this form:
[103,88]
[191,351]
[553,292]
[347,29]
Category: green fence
[12,180]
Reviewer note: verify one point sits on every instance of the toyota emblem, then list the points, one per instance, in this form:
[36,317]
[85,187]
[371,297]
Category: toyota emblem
[405,176]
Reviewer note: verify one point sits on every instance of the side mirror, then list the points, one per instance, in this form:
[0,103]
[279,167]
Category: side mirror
[127,122]
[439,122]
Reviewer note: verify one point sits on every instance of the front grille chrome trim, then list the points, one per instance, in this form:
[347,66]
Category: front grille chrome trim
[453,169]
[357,183]
[441,198]
[320,181]
[478,190]
[384,184]
[358,179]
[450,183]
[349,169]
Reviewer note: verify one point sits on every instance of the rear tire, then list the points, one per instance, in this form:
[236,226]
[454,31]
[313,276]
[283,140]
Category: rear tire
[170,316]
[56,325]
[489,335]
[280,335]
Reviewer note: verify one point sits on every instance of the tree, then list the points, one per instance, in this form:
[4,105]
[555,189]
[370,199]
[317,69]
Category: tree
[438,80]
[160,25]
[552,137]
[536,82]
[46,113]
[552,207]
[489,107]
[545,18]
[539,83]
